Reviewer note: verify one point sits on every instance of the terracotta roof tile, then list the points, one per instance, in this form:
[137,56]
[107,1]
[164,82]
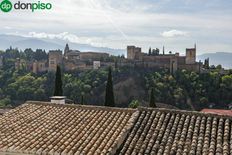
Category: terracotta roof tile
[62,129]
[171,132]
[41,128]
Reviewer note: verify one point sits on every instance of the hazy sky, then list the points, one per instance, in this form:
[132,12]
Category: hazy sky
[177,24]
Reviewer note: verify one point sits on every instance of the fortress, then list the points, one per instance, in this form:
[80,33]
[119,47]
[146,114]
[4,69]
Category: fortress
[76,60]
[168,61]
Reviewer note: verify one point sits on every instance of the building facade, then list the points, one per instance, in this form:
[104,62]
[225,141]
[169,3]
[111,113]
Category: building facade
[55,58]
[134,53]
[96,64]
[39,66]
[93,56]
[169,61]
[190,55]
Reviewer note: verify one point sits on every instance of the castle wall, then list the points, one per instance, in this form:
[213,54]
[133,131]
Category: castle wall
[93,56]
[39,66]
[69,65]
[190,67]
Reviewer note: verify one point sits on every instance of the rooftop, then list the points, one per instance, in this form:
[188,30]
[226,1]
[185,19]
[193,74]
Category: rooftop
[36,128]
[218,111]
[171,132]
[42,128]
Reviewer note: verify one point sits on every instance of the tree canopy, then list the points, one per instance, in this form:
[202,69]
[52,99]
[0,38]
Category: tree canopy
[109,97]
[58,91]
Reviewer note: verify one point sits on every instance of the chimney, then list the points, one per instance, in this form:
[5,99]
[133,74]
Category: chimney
[58,99]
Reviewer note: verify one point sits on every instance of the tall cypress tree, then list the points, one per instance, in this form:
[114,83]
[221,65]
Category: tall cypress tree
[152,99]
[82,99]
[109,98]
[149,51]
[58,83]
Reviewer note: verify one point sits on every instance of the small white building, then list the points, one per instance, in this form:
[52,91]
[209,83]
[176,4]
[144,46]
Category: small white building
[96,64]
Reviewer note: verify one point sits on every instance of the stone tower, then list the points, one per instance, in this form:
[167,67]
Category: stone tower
[55,58]
[134,53]
[191,55]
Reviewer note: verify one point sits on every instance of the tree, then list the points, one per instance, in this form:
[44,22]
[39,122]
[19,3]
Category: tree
[26,87]
[109,98]
[219,67]
[206,63]
[152,99]
[157,51]
[149,52]
[4,102]
[82,99]
[134,104]
[58,83]
[153,52]
[40,54]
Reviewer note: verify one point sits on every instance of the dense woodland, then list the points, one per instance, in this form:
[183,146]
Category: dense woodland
[184,89]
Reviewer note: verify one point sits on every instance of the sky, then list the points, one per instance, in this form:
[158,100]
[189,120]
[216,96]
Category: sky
[175,24]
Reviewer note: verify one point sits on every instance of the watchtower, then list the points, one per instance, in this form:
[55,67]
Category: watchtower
[191,55]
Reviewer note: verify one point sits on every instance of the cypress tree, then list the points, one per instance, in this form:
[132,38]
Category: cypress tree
[82,99]
[58,83]
[149,52]
[109,98]
[152,99]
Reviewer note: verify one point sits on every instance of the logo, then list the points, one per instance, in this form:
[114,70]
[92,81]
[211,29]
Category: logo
[7,6]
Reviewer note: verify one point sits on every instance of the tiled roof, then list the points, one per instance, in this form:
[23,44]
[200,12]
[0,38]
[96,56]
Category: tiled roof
[36,128]
[171,132]
[41,128]
[218,111]
[2,111]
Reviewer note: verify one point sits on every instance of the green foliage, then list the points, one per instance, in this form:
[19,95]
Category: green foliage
[11,53]
[149,51]
[27,87]
[82,99]
[202,89]
[134,104]
[109,97]
[152,99]
[31,55]
[58,83]
[5,102]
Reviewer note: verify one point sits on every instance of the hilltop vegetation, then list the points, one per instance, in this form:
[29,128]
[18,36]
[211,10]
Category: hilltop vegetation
[184,89]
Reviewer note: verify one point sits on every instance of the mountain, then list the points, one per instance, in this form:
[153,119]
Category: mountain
[223,58]
[50,44]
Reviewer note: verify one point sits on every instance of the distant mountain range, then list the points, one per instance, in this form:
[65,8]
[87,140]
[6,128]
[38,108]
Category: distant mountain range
[223,58]
[49,44]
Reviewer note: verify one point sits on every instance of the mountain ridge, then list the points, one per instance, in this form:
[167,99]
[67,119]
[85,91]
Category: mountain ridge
[222,58]
[22,43]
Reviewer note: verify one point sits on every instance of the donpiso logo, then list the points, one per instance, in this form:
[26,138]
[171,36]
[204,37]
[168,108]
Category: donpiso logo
[6,6]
